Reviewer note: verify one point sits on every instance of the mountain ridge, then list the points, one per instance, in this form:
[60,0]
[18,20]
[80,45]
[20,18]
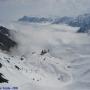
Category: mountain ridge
[82,21]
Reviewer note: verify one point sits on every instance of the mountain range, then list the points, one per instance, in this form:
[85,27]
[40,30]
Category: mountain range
[82,21]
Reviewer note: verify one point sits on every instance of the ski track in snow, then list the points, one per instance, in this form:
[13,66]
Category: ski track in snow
[66,66]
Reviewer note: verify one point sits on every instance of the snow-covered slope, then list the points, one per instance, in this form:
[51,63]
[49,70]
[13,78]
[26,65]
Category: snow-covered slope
[47,57]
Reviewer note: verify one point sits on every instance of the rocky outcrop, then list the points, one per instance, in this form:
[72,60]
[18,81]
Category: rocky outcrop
[6,43]
[3,80]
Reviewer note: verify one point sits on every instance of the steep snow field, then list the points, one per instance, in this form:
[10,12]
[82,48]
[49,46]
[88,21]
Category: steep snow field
[48,57]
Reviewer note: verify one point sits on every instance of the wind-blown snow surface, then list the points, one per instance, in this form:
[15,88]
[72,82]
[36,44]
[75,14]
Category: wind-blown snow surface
[65,66]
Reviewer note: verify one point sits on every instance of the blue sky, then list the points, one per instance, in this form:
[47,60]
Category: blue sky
[13,9]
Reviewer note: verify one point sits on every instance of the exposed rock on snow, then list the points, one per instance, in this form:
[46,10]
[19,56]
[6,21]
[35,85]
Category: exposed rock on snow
[2,79]
[6,43]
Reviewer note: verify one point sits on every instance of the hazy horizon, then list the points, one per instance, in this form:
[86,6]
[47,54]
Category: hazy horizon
[14,9]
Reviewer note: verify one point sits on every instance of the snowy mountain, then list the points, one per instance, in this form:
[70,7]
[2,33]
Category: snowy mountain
[82,21]
[35,19]
[46,57]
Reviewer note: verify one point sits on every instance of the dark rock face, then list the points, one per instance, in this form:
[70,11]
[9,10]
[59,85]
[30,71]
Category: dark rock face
[44,52]
[4,31]
[3,80]
[0,65]
[5,41]
[17,67]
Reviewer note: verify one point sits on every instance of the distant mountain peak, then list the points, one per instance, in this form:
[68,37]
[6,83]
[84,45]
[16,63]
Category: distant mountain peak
[82,21]
[33,19]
